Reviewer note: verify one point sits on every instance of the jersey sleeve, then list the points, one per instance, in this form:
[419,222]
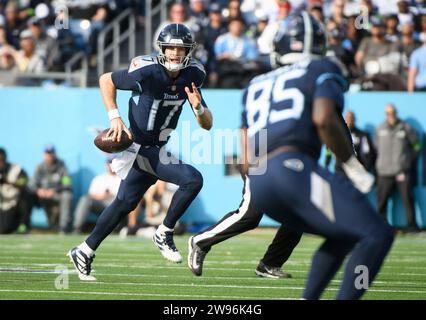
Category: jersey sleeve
[330,83]
[131,78]
[198,77]
[244,123]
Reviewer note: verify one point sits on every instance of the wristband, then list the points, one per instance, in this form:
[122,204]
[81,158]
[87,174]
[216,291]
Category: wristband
[200,111]
[113,114]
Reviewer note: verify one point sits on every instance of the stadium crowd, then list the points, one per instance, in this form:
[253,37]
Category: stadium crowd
[382,43]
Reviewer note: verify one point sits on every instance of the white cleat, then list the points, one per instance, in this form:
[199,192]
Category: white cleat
[82,263]
[164,241]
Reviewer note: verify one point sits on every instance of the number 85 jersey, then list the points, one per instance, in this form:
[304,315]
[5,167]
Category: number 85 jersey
[278,105]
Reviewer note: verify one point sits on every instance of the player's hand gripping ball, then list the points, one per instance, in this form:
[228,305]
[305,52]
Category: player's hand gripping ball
[105,143]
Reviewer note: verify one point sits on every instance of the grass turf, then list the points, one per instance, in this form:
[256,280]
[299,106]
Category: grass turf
[133,268]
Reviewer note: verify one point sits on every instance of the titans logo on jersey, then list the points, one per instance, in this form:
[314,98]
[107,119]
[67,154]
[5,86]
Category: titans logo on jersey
[281,102]
[157,99]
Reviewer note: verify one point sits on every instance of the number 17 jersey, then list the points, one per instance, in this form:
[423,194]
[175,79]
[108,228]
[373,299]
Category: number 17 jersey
[157,99]
[280,104]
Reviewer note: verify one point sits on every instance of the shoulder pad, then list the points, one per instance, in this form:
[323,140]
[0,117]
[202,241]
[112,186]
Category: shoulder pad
[141,61]
[197,64]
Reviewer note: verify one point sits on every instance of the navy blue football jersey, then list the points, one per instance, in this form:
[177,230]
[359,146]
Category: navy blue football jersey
[281,102]
[157,99]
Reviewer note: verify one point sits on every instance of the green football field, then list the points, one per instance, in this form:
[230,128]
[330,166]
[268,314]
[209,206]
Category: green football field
[31,267]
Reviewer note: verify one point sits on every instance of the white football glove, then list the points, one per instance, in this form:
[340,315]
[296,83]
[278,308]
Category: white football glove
[361,178]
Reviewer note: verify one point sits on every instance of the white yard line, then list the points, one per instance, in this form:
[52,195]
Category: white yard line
[144,294]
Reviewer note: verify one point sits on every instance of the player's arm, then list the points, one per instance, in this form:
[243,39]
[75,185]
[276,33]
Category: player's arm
[109,97]
[330,128]
[203,114]
[333,132]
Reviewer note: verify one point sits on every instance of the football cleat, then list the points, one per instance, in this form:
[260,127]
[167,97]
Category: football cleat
[164,242]
[195,257]
[265,271]
[82,263]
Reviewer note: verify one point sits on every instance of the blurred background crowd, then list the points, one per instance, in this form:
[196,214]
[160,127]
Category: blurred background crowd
[382,43]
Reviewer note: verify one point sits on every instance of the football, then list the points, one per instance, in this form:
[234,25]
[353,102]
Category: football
[105,143]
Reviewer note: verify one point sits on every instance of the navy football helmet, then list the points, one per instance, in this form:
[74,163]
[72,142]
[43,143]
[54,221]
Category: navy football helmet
[299,35]
[175,35]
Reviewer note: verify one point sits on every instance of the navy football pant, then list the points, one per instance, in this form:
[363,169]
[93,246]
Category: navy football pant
[300,194]
[146,170]
[246,218]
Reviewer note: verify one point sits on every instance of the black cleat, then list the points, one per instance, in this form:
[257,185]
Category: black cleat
[265,271]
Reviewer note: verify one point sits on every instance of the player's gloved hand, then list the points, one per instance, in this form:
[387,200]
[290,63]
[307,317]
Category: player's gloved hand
[361,178]
[117,127]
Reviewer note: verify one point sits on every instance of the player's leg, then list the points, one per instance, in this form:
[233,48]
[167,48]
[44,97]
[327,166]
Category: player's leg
[313,200]
[130,192]
[190,182]
[356,225]
[245,218]
[278,252]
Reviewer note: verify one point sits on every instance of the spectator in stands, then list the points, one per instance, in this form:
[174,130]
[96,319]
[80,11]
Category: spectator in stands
[407,41]
[87,18]
[391,22]
[265,41]
[102,191]
[3,34]
[14,25]
[233,11]
[404,13]
[212,31]
[7,62]
[398,146]
[362,144]
[335,47]
[46,45]
[15,207]
[27,59]
[417,70]
[317,12]
[338,15]
[51,185]
[198,10]
[378,56]
[353,35]
[236,55]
